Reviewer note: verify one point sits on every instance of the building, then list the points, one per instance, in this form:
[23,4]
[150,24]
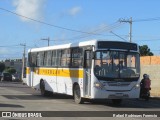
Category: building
[14,63]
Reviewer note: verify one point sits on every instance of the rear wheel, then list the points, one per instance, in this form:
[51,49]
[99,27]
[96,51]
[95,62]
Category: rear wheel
[77,95]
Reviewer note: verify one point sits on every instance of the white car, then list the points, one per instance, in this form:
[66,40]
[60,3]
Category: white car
[15,77]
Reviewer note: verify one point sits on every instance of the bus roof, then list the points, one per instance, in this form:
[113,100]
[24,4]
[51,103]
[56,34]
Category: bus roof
[63,46]
[84,43]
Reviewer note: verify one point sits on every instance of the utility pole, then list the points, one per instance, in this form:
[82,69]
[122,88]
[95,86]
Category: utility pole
[47,40]
[23,60]
[130,31]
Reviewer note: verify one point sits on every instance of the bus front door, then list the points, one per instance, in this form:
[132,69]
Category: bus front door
[87,73]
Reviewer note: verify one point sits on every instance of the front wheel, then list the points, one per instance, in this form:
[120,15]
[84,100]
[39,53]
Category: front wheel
[77,95]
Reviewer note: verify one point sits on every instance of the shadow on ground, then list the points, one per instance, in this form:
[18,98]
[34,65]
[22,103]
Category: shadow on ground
[35,95]
[11,105]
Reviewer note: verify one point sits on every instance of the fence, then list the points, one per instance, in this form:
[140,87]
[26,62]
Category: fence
[151,66]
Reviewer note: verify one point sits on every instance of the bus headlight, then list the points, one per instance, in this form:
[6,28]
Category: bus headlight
[99,85]
[136,86]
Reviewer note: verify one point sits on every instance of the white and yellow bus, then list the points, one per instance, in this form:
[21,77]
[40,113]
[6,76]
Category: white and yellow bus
[93,69]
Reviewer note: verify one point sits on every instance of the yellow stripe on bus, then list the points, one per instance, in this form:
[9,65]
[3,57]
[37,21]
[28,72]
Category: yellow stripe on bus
[27,70]
[60,72]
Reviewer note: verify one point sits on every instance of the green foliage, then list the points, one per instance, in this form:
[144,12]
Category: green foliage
[145,51]
[2,67]
[10,70]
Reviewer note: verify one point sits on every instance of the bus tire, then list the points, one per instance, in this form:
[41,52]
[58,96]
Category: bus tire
[116,101]
[42,88]
[77,95]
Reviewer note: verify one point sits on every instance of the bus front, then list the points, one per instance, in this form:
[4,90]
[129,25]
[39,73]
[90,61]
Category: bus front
[116,71]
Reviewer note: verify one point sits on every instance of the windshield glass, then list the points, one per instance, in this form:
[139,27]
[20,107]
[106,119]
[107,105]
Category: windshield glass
[116,64]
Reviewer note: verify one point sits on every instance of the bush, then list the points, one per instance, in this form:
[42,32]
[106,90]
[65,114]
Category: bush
[11,70]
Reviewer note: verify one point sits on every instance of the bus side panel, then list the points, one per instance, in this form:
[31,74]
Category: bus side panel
[67,77]
[28,76]
[36,79]
[48,75]
[58,81]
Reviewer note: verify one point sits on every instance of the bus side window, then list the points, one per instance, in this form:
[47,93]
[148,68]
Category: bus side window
[56,55]
[68,58]
[40,57]
[77,58]
[47,58]
[33,60]
[65,58]
[29,60]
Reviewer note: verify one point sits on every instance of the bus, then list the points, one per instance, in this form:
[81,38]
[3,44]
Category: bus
[95,69]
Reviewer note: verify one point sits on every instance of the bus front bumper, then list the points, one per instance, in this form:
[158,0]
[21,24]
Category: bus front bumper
[115,94]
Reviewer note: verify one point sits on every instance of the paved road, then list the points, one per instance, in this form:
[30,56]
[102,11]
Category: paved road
[17,97]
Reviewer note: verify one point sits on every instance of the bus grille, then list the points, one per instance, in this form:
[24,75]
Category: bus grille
[118,83]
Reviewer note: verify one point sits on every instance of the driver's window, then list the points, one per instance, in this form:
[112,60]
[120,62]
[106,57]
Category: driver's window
[131,61]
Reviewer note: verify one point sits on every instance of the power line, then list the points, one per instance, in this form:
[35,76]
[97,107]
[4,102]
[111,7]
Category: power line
[100,30]
[103,29]
[118,36]
[106,28]
[147,19]
[148,40]
[77,37]
[16,53]
[42,22]
[10,46]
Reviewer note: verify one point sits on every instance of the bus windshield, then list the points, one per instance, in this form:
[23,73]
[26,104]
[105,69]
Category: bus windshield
[116,64]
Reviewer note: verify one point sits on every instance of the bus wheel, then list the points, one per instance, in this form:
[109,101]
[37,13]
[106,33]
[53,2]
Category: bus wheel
[42,87]
[77,95]
[116,101]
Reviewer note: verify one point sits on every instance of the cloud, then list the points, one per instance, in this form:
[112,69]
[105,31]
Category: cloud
[29,8]
[74,11]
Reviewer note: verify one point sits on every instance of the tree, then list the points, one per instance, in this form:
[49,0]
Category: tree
[11,70]
[145,51]
[2,67]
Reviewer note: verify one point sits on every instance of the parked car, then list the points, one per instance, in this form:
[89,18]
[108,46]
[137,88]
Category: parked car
[6,76]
